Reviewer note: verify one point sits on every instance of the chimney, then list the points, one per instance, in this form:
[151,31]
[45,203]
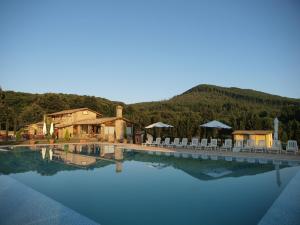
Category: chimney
[119,111]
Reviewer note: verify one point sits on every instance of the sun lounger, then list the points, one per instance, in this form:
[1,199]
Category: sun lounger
[166,142]
[156,142]
[175,142]
[238,146]
[291,146]
[203,144]
[148,142]
[227,145]
[261,146]
[213,145]
[194,143]
[276,147]
[249,146]
[183,143]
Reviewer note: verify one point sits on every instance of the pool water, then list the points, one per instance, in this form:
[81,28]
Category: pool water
[114,186]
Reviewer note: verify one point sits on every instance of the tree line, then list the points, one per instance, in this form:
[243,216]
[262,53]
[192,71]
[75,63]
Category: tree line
[239,108]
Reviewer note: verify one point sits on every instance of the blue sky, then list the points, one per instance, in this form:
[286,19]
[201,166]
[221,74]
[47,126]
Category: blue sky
[147,50]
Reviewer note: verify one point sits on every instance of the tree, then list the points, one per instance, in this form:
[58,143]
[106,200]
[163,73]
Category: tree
[31,114]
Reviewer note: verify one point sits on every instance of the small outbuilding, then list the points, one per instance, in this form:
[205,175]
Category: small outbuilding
[256,135]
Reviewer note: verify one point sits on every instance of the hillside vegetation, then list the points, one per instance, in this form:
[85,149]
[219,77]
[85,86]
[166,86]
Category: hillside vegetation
[239,108]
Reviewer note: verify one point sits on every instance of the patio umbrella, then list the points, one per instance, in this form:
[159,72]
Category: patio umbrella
[44,128]
[159,125]
[51,129]
[215,124]
[276,122]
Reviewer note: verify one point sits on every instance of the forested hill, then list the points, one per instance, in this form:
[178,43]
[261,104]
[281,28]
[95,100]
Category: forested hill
[25,108]
[240,108]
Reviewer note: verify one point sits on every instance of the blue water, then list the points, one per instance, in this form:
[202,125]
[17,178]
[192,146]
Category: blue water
[150,189]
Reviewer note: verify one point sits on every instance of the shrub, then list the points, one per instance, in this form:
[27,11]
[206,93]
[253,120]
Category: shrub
[67,135]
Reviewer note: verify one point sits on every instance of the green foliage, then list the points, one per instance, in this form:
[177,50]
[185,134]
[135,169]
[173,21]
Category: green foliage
[239,108]
[67,135]
[19,134]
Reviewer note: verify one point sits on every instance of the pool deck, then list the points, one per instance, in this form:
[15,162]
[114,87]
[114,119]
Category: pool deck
[20,204]
[187,152]
[286,208]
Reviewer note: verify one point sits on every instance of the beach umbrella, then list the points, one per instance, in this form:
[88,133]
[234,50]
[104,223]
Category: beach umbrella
[44,129]
[51,129]
[215,124]
[276,122]
[158,125]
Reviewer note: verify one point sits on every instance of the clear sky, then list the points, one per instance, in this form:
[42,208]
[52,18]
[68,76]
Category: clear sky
[145,50]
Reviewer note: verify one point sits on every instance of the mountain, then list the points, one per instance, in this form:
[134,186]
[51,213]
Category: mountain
[240,108]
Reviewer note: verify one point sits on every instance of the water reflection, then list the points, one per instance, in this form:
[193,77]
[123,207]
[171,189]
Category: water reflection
[278,180]
[47,154]
[49,161]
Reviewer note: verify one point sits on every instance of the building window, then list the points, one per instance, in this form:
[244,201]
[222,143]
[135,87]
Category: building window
[85,112]
[109,130]
[128,131]
[84,129]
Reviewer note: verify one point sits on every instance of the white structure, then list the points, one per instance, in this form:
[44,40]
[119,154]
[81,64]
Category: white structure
[159,125]
[215,124]
[276,122]
[51,129]
[44,129]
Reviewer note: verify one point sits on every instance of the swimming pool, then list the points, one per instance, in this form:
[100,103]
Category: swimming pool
[116,186]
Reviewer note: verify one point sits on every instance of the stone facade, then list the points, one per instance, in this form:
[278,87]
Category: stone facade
[86,123]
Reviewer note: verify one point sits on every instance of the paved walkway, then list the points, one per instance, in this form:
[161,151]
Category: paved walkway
[286,209]
[292,158]
[21,205]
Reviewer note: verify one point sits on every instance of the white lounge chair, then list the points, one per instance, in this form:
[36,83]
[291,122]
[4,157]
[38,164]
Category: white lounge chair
[213,145]
[238,146]
[249,146]
[203,144]
[194,143]
[156,142]
[149,141]
[261,146]
[227,145]
[276,147]
[166,142]
[183,143]
[291,146]
[175,142]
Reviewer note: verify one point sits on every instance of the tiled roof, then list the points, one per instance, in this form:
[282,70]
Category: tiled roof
[71,111]
[95,121]
[91,122]
[249,132]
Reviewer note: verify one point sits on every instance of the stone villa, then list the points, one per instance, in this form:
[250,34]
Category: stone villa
[86,123]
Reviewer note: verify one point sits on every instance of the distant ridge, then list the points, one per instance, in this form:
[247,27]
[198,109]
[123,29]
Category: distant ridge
[240,93]
[240,108]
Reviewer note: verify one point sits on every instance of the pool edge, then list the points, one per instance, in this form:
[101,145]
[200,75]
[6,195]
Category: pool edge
[21,204]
